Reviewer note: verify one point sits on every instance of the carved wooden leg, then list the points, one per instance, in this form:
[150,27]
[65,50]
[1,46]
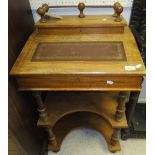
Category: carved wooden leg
[125,133]
[114,138]
[43,116]
[121,105]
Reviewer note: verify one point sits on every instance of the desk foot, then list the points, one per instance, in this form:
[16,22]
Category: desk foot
[53,148]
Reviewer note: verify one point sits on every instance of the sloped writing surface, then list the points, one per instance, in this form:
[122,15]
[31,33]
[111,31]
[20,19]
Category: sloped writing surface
[80,51]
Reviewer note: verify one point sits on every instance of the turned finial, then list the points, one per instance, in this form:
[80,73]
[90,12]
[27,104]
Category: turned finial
[41,11]
[116,4]
[45,6]
[81,7]
[118,8]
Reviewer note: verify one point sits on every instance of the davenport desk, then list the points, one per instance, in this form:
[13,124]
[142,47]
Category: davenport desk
[88,65]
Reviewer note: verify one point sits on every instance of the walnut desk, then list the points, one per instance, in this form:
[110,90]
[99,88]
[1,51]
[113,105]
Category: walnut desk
[87,66]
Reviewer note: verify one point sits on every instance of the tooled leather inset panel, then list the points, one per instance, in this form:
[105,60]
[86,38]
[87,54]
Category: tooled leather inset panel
[80,51]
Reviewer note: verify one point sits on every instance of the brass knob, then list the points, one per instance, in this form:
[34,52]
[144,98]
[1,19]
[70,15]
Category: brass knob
[81,7]
[118,8]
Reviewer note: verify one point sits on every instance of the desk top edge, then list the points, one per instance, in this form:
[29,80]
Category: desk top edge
[94,20]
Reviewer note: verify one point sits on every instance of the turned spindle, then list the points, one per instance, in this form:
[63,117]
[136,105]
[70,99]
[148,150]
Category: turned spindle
[43,116]
[114,138]
[51,137]
[118,8]
[121,106]
[81,7]
[40,106]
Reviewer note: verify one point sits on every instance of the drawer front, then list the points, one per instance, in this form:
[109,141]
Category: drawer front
[84,30]
[80,82]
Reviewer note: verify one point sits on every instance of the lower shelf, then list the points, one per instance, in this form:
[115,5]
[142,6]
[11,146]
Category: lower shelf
[82,119]
[59,104]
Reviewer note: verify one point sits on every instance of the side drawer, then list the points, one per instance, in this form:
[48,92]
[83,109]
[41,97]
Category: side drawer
[80,82]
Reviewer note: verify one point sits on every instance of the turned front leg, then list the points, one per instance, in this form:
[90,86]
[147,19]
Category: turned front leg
[51,137]
[121,106]
[114,137]
[40,106]
[43,116]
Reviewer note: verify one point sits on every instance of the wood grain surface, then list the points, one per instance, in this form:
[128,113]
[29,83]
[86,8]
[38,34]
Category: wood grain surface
[83,82]
[88,21]
[24,66]
[78,75]
[94,24]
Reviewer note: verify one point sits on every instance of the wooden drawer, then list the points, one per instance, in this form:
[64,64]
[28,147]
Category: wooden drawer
[78,30]
[80,82]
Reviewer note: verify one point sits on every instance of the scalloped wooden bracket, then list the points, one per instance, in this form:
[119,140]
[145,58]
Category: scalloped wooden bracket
[84,120]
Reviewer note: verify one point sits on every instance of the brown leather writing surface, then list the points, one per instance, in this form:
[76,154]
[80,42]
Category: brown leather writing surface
[80,51]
